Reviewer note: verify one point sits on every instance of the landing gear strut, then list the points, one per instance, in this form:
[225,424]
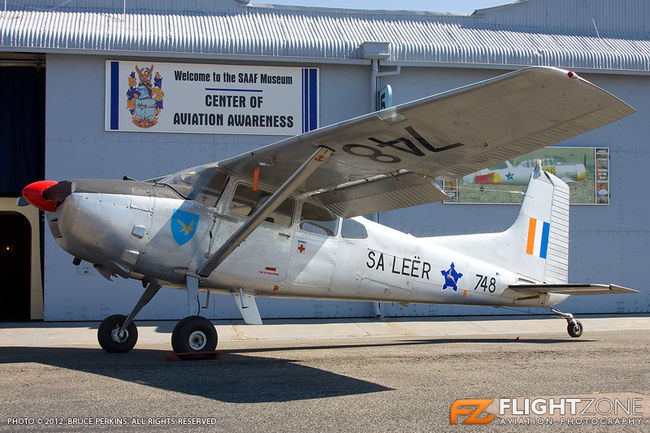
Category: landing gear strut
[574,327]
[117,333]
[193,334]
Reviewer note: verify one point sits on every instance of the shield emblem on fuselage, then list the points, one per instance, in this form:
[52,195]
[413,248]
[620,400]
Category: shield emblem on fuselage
[184,226]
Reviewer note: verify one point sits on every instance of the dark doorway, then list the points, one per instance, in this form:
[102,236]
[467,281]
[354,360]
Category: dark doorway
[22,128]
[15,266]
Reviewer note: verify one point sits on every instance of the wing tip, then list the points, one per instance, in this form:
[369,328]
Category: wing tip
[620,289]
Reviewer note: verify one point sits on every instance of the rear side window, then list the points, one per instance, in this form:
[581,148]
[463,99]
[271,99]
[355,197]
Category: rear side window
[317,219]
[351,229]
[246,201]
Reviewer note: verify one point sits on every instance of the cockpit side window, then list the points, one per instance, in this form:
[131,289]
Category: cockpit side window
[246,201]
[351,229]
[210,192]
[317,219]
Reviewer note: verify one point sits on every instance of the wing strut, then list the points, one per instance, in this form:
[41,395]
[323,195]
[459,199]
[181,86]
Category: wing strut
[281,194]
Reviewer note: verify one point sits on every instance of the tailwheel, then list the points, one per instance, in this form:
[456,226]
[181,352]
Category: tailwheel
[574,328]
[110,337]
[194,334]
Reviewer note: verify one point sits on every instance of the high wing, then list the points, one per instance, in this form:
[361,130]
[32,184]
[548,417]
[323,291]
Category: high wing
[572,289]
[389,159]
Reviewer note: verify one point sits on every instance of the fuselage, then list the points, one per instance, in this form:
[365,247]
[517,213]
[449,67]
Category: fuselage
[150,232]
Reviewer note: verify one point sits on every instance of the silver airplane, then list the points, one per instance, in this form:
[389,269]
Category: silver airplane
[284,220]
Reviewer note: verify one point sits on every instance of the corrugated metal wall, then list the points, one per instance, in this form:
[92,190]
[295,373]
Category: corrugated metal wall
[542,32]
[587,17]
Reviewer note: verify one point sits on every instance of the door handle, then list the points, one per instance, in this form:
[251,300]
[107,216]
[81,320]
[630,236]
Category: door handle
[286,235]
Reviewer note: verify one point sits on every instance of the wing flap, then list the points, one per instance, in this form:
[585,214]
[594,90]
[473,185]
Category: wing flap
[573,289]
[384,193]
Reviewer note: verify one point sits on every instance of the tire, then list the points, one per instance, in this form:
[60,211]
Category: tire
[194,334]
[575,329]
[108,338]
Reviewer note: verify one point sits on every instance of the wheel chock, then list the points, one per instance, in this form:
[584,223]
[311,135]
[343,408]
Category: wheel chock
[192,356]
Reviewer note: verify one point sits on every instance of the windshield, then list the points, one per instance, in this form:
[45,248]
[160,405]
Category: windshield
[203,184]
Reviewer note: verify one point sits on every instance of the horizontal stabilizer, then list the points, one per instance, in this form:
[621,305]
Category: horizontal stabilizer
[573,289]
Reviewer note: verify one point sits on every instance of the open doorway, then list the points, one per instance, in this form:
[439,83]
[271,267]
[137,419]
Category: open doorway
[15,266]
[22,144]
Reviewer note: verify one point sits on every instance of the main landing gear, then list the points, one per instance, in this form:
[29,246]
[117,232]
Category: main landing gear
[193,334]
[574,327]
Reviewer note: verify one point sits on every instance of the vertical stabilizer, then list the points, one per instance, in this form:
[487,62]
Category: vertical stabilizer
[536,246]
[543,229]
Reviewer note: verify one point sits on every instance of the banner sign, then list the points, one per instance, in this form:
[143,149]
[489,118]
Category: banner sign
[217,99]
[584,169]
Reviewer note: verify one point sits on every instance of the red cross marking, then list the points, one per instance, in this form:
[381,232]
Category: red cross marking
[301,248]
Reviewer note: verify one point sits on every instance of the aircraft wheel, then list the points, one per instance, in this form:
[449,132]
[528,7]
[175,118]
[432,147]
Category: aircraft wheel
[194,334]
[575,329]
[109,338]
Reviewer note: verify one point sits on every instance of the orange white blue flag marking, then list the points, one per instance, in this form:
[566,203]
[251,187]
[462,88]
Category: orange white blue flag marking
[537,242]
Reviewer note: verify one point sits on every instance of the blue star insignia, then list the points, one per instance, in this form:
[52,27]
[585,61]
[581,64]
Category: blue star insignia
[510,176]
[451,277]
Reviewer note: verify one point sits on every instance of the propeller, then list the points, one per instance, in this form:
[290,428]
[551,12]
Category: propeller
[47,194]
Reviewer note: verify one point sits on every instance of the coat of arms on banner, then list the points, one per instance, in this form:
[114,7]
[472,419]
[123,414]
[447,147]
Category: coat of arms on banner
[145,98]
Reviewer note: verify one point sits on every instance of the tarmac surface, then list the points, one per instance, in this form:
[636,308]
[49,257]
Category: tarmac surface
[330,376]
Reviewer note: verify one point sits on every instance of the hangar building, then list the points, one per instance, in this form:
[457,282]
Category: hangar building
[67,69]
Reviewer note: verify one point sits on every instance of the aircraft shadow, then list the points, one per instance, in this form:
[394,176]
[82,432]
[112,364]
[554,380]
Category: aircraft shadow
[234,378]
[419,341]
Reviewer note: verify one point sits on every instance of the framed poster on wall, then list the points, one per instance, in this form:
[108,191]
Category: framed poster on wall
[584,169]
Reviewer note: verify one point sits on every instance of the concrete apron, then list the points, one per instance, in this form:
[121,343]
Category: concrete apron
[66,334]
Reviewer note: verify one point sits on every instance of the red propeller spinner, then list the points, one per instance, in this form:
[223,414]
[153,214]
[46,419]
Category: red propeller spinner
[33,193]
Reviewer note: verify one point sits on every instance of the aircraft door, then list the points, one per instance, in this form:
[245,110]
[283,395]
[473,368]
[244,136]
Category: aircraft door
[350,258]
[313,253]
[264,255]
